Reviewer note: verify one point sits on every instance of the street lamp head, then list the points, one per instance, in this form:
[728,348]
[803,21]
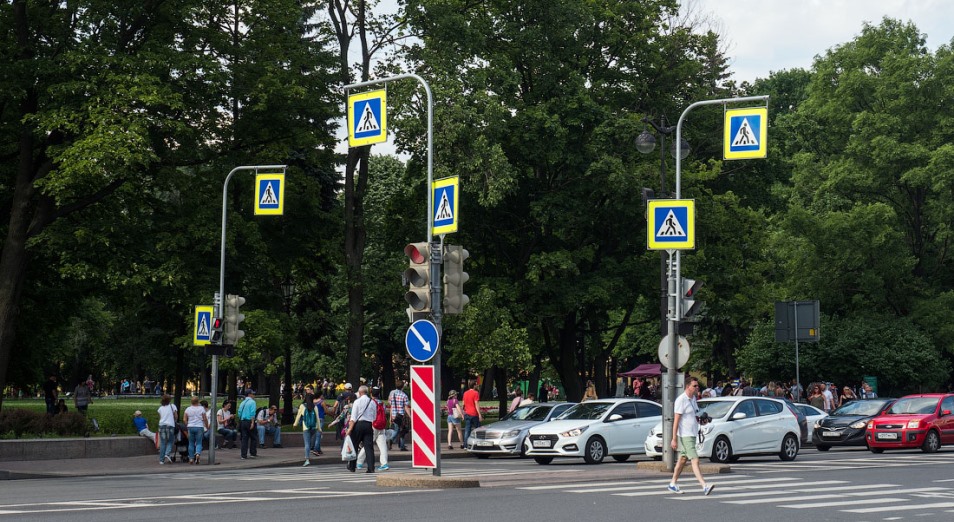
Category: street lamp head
[645,142]
[288,290]
[683,151]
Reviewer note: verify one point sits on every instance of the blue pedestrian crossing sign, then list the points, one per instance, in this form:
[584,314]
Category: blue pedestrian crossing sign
[671,224]
[269,194]
[746,133]
[422,340]
[444,200]
[203,325]
[367,118]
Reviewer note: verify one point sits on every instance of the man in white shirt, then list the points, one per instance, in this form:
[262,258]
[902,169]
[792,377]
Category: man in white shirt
[685,427]
[363,413]
[829,398]
[226,423]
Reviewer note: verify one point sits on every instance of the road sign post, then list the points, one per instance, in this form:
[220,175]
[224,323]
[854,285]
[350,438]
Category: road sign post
[367,118]
[669,383]
[436,311]
[422,340]
[202,334]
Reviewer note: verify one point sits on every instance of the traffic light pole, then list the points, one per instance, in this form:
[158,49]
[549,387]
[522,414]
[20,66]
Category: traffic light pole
[675,286]
[213,429]
[435,260]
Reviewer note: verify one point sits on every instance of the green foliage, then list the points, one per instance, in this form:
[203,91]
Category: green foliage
[24,423]
[895,350]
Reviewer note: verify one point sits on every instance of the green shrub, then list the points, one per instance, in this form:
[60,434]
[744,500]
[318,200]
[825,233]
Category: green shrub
[19,423]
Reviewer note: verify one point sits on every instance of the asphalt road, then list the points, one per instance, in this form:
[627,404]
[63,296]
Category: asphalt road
[842,485]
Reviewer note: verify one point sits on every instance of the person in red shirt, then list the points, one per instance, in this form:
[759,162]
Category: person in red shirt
[472,415]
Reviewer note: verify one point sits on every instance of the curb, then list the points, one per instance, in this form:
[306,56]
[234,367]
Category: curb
[425,481]
[712,469]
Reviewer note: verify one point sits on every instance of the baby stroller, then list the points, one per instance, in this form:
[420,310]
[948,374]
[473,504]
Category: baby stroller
[182,444]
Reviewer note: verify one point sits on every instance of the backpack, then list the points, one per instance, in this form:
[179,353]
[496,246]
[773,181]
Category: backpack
[310,419]
[380,422]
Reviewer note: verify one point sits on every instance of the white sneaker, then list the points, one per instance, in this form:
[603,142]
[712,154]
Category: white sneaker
[674,489]
[307,463]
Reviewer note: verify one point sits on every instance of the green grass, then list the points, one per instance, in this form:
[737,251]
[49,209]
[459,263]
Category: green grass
[115,415]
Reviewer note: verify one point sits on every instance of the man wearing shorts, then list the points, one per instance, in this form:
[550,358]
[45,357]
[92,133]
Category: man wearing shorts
[685,427]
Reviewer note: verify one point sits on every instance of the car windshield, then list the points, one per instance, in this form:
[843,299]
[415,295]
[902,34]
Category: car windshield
[916,405]
[586,411]
[533,412]
[860,408]
[715,409]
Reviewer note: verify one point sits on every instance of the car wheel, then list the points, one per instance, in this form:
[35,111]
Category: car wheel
[620,458]
[482,455]
[721,451]
[822,448]
[595,451]
[789,448]
[876,450]
[543,461]
[734,458]
[931,442]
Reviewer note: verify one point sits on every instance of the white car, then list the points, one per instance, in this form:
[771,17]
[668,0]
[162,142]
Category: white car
[740,426]
[812,416]
[593,430]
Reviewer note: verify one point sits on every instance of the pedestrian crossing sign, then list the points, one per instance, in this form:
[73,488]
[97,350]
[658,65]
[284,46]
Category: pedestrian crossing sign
[746,133]
[270,194]
[202,334]
[367,118]
[671,224]
[444,205]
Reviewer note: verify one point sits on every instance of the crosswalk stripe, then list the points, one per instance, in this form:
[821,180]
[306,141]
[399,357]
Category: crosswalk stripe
[662,485]
[773,485]
[842,503]
[912,507]
[819,497]
[826,489]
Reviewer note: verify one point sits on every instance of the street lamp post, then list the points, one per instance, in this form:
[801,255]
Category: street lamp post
[646,143]
[288,291]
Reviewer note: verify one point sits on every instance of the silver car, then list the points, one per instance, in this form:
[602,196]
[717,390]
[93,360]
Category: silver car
[506,436]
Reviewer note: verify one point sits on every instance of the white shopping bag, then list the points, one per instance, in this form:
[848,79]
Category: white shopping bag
[347,450]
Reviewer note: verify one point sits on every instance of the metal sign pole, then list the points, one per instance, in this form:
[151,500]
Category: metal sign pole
[435,266]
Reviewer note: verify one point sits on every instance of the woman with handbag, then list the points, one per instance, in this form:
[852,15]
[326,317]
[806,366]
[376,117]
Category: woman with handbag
[454,415]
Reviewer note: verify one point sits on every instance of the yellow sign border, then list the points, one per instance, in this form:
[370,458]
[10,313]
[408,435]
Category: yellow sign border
[441,183]
[651,225]
[195,320]
[762,152]
[259,211]
[357,142]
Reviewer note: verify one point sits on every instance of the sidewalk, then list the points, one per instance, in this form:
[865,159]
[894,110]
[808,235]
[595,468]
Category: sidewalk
[225,459]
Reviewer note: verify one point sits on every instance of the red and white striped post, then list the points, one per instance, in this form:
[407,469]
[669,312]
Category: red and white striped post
[423,418]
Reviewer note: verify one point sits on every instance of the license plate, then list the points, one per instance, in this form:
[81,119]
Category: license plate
[887,436]
[485,443]
[541,444]
[830,434]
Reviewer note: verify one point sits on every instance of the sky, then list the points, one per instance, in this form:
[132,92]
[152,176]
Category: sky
[762,36]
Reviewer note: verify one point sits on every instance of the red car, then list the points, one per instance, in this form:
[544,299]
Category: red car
[916,421]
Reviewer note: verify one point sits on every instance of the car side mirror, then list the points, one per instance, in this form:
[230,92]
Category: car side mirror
[614,417]
[739,416]
[946,412]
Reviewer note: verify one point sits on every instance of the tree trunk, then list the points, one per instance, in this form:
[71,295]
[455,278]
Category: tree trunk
[501,380]
[566,368]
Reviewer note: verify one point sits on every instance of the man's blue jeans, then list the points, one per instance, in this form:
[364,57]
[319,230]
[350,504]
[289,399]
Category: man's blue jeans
[276,439]
[471,422]
[167,441]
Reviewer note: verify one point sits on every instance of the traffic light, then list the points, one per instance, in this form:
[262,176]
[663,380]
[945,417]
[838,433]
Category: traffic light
[690,306]
[216,335]
[418,278]
[454,278]
[233,318]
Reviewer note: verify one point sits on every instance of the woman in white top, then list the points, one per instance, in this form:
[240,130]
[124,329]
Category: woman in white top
[197,420]
[167,429]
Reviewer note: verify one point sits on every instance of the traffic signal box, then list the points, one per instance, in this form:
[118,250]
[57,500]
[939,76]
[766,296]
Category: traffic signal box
[417,277]
[690,305]
[454,278]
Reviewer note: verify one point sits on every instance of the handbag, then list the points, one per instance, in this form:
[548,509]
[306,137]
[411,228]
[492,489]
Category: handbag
[347,450]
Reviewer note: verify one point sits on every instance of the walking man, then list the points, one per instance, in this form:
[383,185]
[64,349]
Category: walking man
[685,427]
[472,415]
[363,413]
[246,415]
[50,394]
[398,401]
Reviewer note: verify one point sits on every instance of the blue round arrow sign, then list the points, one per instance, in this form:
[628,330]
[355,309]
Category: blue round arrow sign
[422,340]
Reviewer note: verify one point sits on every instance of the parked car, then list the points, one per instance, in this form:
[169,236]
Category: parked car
[595,429]
[748,426]
[506,436]
[846,425]
[921,421]
[804,428]
[812,416]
